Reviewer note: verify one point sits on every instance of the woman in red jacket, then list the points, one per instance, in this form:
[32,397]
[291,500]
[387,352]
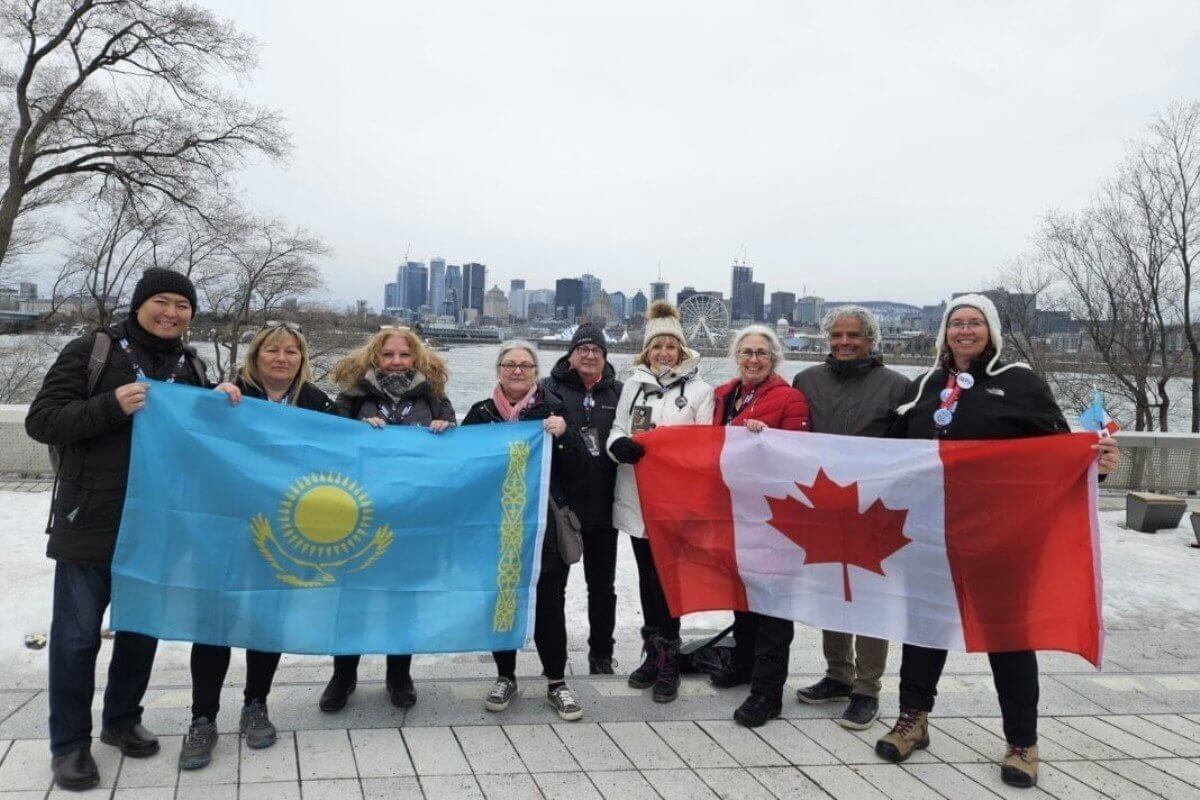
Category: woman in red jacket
[759,398]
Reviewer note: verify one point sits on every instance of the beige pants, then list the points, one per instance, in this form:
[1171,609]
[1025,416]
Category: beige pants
[857,661]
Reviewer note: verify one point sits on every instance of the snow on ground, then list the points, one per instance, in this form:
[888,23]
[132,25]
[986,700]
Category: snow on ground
[1150,582]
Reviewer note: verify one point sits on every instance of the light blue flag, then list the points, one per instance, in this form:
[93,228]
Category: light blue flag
[291,531]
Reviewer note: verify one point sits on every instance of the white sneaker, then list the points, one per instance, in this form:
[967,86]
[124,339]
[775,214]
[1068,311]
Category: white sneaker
[563,700]
[502,693]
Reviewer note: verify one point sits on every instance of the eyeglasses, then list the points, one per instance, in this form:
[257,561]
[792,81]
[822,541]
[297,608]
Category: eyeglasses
[290,327]
[960,325]
[509,366]
[589,350]
[747,354]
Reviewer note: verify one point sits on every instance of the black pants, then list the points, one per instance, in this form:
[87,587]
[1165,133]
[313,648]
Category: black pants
[549,623]
[600,572]
[210,664]
[1015,674]
[81,593]
[655,612]
[745,637]
[345,668]
[772,646]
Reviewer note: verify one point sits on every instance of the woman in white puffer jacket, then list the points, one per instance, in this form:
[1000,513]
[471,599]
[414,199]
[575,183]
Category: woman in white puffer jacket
[664,389]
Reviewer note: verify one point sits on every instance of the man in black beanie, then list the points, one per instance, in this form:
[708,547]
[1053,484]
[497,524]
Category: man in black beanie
[587,384]
[85,411]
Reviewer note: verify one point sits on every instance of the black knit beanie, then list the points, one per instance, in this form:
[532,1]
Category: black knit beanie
[157,280]
[587,333]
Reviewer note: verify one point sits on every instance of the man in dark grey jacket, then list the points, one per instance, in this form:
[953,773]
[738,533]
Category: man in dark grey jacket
[852,394]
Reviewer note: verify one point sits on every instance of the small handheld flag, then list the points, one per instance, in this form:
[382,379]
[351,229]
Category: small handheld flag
[1095,418]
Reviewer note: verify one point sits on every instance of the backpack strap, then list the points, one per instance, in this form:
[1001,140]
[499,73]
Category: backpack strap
[101,347]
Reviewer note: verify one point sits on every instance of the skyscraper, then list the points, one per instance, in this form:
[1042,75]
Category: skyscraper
[516,298]
[591,288]
[620,305]
[474,285]
[659,290]
[809,310]
[757,300]
[638,304]
[391,297]
[416,285]
[437,284]
[568,299]
[454,288]
[783,306]
[741,294]
[495,304]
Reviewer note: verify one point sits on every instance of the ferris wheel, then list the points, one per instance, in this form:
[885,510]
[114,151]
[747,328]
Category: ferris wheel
[705,320]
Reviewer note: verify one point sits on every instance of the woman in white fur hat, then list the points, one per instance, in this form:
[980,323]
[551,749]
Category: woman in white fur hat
[664,389]
[971,394]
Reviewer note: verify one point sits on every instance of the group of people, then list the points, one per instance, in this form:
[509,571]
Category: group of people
[84,409]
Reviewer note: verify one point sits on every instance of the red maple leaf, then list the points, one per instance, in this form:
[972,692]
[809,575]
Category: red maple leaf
[833,531]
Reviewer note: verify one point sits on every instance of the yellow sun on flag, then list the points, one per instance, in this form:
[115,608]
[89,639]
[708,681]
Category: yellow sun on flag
[325,515]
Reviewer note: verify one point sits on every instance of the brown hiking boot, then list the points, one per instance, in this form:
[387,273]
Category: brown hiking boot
[911,732]
[1019,767]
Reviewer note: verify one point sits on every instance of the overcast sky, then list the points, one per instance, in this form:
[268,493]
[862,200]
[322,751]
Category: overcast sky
[851,150]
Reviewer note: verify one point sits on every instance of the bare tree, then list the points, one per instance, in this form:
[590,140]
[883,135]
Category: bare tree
[268,262]
[124,91]
[23,362]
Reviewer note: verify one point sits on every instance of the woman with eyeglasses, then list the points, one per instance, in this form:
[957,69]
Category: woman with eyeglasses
[759,398]
[665,388]
[393,379]
[517,397]
[971,394]
[276,369]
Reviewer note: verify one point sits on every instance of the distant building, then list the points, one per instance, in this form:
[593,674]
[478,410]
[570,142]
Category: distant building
[620,305]
[684,294]
[568,299]
[452,305]
[474,285]
[809,310]
[437,284]
[741,293]
[495,304]
[783,306]
[600,310]
[659,291]
[516,298]
[416,285]
[591,288]
[757,296]
[637,306]
[391,297]
[539,304]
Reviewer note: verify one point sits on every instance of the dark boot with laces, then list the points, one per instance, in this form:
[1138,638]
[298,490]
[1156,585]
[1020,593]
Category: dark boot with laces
[256,726]
[644,676]
[198,745]
[756,711]
[666,685]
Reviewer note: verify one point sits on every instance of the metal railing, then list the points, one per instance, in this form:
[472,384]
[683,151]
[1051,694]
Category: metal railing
[1155,462]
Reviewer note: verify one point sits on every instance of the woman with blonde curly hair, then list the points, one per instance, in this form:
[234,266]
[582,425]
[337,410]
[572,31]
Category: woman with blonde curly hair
[393,379]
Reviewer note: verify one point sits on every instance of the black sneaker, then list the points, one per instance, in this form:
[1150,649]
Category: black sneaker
[728,677]
[133,740]
[256,726]
[75,771]
[198,744]
[756,711]
[335,695]
[401,691]
[563,700]
[601,665]
[861,713]
[824,691]
[502,693]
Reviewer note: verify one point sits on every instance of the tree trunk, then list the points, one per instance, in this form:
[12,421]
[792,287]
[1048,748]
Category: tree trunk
[10,205]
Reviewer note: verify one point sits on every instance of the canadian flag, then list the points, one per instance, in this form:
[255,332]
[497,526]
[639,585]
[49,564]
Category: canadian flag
[984,546]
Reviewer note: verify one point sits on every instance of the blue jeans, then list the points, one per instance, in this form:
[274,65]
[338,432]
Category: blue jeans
[81,593]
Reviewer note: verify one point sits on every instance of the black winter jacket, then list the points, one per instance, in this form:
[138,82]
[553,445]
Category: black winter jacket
[852,398]
[567,453]
[591,494]
[417,406]
[85,511]
[1013,404]
[310,398]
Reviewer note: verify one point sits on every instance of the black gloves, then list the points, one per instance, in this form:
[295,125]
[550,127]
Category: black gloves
[627,451]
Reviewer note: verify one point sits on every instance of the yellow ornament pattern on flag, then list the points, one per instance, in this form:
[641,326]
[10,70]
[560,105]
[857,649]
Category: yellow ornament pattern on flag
[325,531]
[513,497]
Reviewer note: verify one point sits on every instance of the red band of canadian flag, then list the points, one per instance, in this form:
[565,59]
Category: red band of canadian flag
[985,546]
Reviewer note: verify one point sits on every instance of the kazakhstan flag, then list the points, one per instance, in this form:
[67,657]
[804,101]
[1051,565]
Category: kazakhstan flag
[290,531]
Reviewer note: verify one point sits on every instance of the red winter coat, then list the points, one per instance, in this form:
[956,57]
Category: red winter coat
[775,402]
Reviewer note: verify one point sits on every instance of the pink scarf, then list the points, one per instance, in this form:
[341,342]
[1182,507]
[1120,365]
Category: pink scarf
[508,410]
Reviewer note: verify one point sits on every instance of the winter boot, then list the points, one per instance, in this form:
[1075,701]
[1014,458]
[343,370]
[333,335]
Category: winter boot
[911,732]
[666,685]
[644,676]
[1019,767]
